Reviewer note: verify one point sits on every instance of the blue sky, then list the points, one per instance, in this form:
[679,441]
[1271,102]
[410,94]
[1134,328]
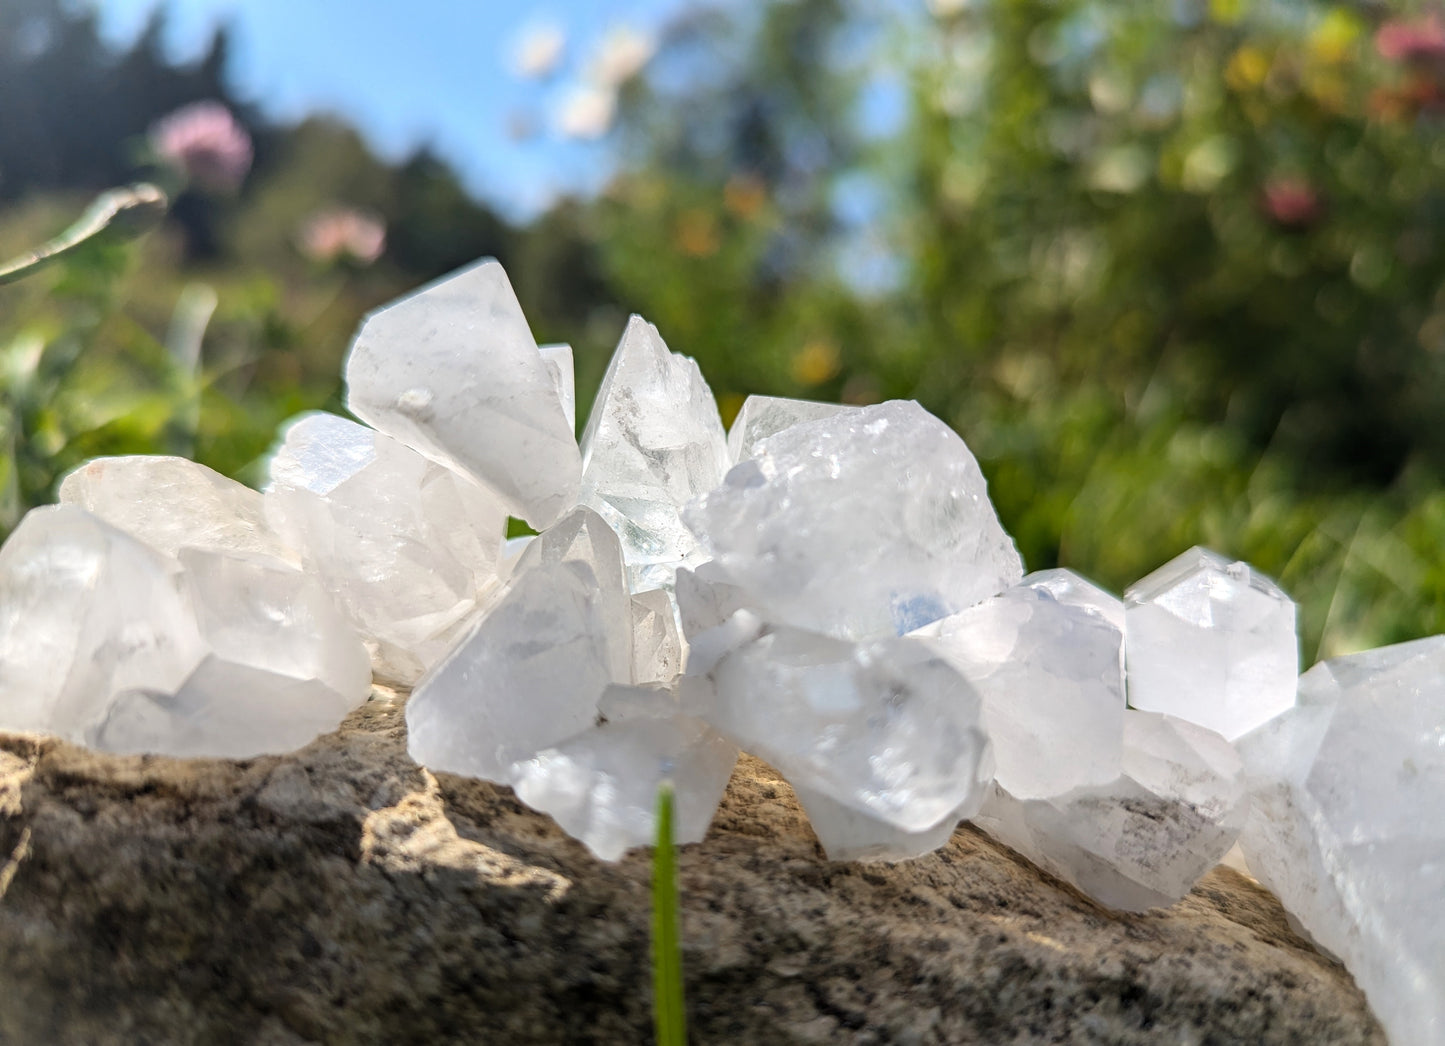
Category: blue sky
[415,71]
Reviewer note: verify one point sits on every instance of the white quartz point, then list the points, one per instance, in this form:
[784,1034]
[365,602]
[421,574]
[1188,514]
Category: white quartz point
[652,443]
[559,364]
[453,372]
[848,834]
[222,710]
[656,646]
[408,547]
[261,613]
[601,784]
[1049,674]
[1143,840]
[527,677]
[1211,641]
[867,524]
[764,416]
[80,602]
[1347,824]
[171,503]
[886,728]
[281,666]
[582,536]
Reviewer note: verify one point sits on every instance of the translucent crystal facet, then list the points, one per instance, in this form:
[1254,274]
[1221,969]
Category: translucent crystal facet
[171,503]
[453,372]
[656,646]
[1049,675]
[1213,642]
[1144,839]
[144,652]
[526,678]
[887,728]
[601,784]
[653,442]
[867,524]
[764,416]
[1347,824]
[408,548]
[558,359]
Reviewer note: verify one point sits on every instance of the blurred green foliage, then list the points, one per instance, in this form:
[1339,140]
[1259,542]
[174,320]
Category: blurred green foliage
[1173,270]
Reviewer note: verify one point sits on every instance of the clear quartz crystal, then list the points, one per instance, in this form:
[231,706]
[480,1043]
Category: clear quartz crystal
[1049,675]
[886,728]
[1347,824]
[601,784]
[408,548]
[106,641]
[82,602]
[653,442]
[863,525]
[582,536]
[558,359]
[1211,641]
[452,371]
[1143,840]
[848,834]
[656,646]
[526,678]
[764,416]
[172,503]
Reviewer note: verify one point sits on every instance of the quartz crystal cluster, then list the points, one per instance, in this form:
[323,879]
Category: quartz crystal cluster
[826,587]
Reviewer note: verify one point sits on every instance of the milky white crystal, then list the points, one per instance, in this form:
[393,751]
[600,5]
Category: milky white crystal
[281,665]
[888,728]
[656,645]
[558,359]
[1049,675]
[452,371]
[867,524]
[849,834]
[172,503]
[78,599]
[601,784]
[526,678]
[582,536]
[109,642]
[1347,824]
[652,443]
[1143,840]
[1211,641]
[764,416]
[408,548]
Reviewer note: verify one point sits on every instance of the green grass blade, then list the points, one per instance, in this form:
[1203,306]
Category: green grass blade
[118,213]
[669,1017]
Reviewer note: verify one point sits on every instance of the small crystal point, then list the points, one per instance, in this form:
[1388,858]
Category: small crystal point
[601,784]
[656,645]
[558,359]
[653,442]
[863,525]
[1347,824]
[172,503]
[453,372]
[1049,675]
[526,678]
[1143,840]
[408,548]
[849,834]
[1212,642]
[887,728]
[764,416]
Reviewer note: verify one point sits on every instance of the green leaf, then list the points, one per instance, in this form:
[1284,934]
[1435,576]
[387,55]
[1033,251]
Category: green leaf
[669,1015]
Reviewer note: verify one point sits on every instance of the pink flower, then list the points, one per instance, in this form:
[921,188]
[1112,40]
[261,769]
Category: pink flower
[1292,202]
[1422,40]
[343,233]
[204,141]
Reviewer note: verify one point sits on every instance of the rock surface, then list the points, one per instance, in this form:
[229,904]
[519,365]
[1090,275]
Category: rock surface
[344,895]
